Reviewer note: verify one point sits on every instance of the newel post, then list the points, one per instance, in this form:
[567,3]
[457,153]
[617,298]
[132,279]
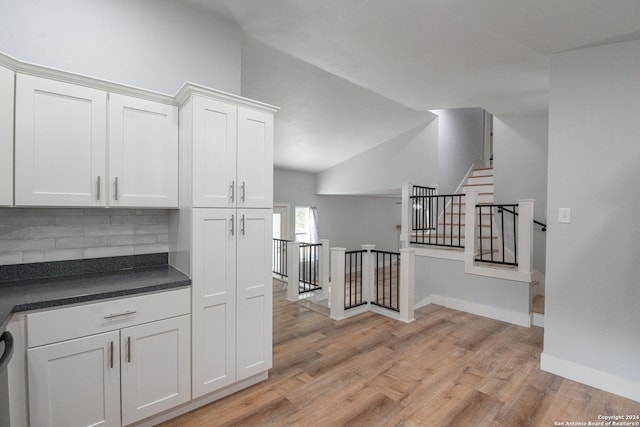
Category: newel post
[293,270]
[407,284]
[337,283]
[323,260]
[471,199]
[407,209]
[368,274]
[525,235]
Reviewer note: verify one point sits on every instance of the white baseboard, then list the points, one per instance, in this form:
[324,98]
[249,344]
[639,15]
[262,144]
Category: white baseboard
[591,377]
[201,401]
[520,319]
[537,319]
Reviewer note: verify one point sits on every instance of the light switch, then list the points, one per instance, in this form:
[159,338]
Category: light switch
[564,215]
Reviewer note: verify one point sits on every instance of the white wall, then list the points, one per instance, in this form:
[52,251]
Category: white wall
[439,153]
[592,313]
[520,144]
[444,282]
[460,145]
[412,156]
[152,44]
[348,221]
[351,221]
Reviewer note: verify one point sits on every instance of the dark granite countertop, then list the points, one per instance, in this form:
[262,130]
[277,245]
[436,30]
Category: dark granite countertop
[129,276]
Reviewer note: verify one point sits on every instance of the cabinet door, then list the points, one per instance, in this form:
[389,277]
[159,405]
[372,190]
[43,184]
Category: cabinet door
[60,143]
[143,153]
[255,159]
[254,287]
[155,367]
[6,136]
[214,153]
[214,299]
[75,383]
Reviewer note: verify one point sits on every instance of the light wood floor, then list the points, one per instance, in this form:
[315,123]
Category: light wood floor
[447,368]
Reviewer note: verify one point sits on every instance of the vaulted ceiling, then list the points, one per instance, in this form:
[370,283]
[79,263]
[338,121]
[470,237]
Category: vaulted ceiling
[351,74]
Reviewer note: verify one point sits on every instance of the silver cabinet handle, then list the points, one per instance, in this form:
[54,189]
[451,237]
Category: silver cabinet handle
[128,349]
[7,339]
[115,194]
[233,231]
[242,191]
[111,354]
[124,313]
[98,196]
[242,226]
[233,191]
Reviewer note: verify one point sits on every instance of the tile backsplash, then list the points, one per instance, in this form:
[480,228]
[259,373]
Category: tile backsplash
[38,235]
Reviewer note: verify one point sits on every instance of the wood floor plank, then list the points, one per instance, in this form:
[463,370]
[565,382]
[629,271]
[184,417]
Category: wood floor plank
[447,368]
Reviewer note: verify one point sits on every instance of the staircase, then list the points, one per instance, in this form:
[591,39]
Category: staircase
[434,226]
[451,224]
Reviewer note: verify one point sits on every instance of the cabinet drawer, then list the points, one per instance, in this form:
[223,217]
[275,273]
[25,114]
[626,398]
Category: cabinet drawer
[67,323]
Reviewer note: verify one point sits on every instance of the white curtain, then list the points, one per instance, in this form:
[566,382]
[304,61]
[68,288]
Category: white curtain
[313,225]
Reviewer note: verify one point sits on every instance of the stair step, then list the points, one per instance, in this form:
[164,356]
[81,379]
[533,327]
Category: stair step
[478,203]
[482,172]
[478,188]
[483,179]
[486,252]
[538,304]
[462,213]
[455,236]
[455,224]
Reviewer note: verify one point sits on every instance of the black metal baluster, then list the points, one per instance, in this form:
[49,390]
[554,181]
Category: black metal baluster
[515,237]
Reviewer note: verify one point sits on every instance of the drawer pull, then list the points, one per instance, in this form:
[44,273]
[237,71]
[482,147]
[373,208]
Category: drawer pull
[125,313]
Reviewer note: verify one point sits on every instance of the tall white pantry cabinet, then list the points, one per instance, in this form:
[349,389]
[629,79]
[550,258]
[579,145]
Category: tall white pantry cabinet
[222,236]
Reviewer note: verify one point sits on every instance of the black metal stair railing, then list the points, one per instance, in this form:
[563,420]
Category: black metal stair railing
[279,259]
[497,234]
[309,271]
[353,279]
[386,282]
[436,220]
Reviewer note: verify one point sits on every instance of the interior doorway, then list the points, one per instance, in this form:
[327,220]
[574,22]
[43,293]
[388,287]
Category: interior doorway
[281,215]
[487,152]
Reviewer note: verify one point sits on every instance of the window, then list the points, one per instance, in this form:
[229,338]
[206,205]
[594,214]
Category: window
[306,224]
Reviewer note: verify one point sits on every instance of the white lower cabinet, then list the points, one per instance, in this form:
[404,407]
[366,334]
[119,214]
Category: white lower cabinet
[154,367]
[112,378]
[76,382]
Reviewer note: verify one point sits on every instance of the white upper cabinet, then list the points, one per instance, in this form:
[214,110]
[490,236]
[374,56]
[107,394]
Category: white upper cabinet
[214,153]
[143,153]
[232,155]
[255,159]
[7,78]
[60,143]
